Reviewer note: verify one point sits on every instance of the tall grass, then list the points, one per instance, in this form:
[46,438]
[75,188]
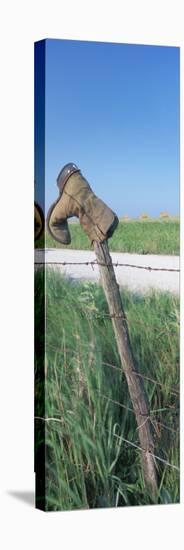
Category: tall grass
[141,237]
[87,465]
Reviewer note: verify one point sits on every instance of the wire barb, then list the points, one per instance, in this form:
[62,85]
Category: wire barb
[115,264]
[131,443]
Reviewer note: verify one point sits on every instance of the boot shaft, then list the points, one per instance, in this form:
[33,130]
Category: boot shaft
[77,199]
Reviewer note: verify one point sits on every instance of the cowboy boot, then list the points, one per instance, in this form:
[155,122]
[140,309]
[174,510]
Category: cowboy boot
[38,221]
[77,199]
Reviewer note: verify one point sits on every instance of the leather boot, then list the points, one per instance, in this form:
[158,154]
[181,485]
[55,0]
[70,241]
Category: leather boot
[77,199]
[38,221]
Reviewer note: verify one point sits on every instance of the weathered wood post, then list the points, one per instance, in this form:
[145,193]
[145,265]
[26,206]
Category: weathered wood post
[76,198]
[130,369]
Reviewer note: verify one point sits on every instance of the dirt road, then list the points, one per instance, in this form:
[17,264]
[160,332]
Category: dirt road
[136,280]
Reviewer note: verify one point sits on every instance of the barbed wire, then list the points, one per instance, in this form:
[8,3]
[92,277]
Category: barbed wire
[164,386]
[130,443]
[146,451]
[111,365]
[152,413]
[94,263]
[147,416]
[104,315]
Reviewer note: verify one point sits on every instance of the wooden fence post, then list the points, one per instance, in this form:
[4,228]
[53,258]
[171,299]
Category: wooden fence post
[129,366]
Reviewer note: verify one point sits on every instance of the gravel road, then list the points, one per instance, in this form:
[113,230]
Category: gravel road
[136,280]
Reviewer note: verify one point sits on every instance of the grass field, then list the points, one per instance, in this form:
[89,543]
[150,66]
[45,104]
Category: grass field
[142,237]
[88,463]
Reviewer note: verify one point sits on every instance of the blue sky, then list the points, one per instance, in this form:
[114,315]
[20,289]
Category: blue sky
[113,109]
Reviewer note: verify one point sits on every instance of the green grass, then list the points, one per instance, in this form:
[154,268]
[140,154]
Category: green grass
[141,237]
[87,466]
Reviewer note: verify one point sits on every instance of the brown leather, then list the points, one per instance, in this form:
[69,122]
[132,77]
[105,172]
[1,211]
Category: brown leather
[39,221]
[56,226]
[78,199]
[65,174]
